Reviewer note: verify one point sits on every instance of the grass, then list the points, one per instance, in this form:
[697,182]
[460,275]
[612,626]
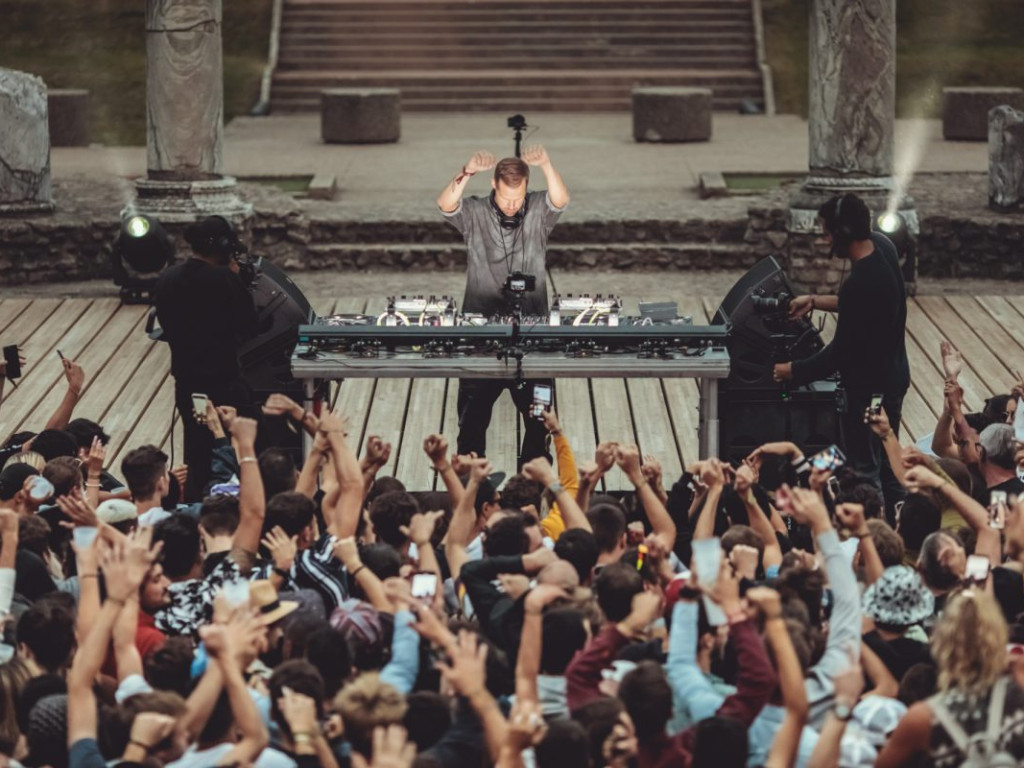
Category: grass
[939,43]
[756,182]
[293,185]
[101,45]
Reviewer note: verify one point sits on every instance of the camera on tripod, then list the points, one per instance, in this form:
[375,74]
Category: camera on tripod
[771,305]
[517,122]
[519,283]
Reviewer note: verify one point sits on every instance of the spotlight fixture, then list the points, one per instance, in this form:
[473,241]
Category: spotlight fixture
[142,251]
[894,226]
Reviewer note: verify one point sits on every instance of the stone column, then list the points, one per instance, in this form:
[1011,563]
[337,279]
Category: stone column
[24,145]
[851,123]
[1005,158]
[185,114]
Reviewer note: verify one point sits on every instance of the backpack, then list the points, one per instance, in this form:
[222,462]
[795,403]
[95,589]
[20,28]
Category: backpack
[982,749]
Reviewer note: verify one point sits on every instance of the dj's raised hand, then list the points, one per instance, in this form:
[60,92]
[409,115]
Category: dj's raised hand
[481,161]
[783,372]
[536,155]
[800,306]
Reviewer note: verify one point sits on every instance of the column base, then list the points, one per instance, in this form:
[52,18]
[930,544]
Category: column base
[187,201]
[27,208]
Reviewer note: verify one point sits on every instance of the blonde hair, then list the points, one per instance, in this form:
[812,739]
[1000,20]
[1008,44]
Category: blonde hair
[33,459]
[969,642]
[366,703]
[13,677]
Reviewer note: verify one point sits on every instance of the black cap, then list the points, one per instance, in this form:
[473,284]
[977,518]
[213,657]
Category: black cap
[12,479]
[213,236]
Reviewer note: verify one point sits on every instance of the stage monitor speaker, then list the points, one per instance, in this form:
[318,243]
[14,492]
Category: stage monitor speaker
[808,416]
[759,339]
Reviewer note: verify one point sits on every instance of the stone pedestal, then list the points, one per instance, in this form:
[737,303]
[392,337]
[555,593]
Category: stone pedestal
[1005,158]
[69,117]
[24,145]
[965,110]
[360,115]
[851,117]
[185,114]
[671,114]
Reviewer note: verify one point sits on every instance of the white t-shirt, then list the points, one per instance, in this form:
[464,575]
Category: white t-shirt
[204,758]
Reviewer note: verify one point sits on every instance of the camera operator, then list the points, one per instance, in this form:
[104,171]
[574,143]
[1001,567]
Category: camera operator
[505,233]
[869,347]
[206,311]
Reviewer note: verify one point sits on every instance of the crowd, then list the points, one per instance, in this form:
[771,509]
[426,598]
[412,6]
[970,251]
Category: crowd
[314,613]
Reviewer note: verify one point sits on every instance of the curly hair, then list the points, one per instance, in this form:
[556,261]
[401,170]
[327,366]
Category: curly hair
[969,642]
[366,703]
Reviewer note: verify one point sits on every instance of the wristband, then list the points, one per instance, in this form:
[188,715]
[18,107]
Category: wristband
[354,573]
[282,573]
[444,468]
[555,432]
[246,459]
[88,576]
[556,488]
[144,747]
[93,485]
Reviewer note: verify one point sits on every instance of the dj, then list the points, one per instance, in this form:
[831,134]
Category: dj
[206,311]
[506,232]
[869,348]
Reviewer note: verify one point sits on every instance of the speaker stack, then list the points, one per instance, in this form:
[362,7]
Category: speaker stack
[753,408]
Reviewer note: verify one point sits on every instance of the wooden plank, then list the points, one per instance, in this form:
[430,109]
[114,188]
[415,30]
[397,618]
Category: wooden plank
[126,357]
[503,436]
[1000,308]
[124,414]
[10,309]
[682,396]
[652,425]
[42,370]
[354,395]
[99,352]
[928,337]
[1001,342]
[572,403]
[993,375]
[425,416]
[154,424]
[614,422]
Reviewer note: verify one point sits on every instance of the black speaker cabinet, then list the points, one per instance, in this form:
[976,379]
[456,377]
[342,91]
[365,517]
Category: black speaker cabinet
[757,338]
[748,418]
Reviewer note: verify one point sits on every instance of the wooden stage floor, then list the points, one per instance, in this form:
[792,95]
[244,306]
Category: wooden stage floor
[130,392]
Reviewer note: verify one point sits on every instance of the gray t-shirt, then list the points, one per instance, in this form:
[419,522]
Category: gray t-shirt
[495,253]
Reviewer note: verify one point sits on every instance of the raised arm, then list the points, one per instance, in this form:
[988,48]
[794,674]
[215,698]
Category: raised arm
[976,516]
[436,448]
[628,458]
[528,661]
[851,517]
[251,499]
[791,677]
[540,470]
[713,477]
[376,455]
[590,475]
[343,517]
[75,377]
[537,156]
[450,196]
[466,673]
[746,476]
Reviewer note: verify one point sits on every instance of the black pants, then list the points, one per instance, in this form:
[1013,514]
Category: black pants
[864,451]
[197,437]
[475,403]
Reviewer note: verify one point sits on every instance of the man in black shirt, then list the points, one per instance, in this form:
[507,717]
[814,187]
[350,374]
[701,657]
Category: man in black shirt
[206,311]
[869,348]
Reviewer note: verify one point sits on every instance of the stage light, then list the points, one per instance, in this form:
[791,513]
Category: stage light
[894,226]
[142,251]
[890,223]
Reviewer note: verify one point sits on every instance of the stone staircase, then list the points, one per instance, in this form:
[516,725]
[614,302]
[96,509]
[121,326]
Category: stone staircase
[516,55]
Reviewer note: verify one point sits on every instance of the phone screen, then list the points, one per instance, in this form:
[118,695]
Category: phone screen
[997,510]
[541,400]
[831,459]
[199,402]
[876,404]
[13,362]
[977,569]
[424,585]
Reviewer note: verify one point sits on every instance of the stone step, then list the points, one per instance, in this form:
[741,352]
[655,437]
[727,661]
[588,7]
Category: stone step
[300,60]
[535,53]
[512,106]
[598,232]
[506,6]
[522,78]
[635,256]
[373,42]
[509,29]
[535,18]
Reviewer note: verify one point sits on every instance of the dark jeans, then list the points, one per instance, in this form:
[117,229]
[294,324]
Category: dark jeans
[476,400]
[864,451]
[197,437]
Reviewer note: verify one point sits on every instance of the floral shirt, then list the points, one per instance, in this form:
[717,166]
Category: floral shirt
[192,601]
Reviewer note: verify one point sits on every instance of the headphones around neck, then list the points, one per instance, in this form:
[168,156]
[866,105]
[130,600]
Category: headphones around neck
[513,222]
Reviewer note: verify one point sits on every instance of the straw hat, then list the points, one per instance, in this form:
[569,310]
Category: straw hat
[263,597]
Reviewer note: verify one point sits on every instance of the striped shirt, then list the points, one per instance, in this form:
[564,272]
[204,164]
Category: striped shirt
[315,568]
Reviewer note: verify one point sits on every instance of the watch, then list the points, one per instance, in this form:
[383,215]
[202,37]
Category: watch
[555,488]
[842,711]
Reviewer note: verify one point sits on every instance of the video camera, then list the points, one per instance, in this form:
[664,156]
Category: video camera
[771,305]
[519,283]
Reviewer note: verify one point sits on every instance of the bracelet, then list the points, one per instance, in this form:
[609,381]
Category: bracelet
[556,488]
[144,747]
[302,738]
[282,573]
[555,432]
[355,573]
[93,485]
[246,460]
[445,468]
[88,576]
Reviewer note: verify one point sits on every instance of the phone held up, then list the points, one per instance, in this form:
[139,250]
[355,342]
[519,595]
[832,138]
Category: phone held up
[997,510]
[424,585]
[876,405]
[829,459]
[199,403]
[976,571]
[541,401]
[13,362]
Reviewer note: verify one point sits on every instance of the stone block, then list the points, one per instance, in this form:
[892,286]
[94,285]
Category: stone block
[322,187]
[24,144]
[712,184]
[670,114]
[360,115]
[69,117]
[965,110]
[1005,158]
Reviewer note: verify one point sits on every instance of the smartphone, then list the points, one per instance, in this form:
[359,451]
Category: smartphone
[833,486]
[13,362]
[541,401]
[831,459]
[1018,421]
[997,510]
[424,585]
[876,405]
[61,356]
[199,403]
[977,569]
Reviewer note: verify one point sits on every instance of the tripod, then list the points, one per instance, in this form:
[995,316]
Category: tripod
[517,123]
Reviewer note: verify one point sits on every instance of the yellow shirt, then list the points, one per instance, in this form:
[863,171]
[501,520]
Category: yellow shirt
[553,525]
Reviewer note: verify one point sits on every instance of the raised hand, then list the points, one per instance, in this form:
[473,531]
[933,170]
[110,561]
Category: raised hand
[712,473]
[807,506]
[298,710]
[851,517]
[377,452]
[461,463]
[244,431]
[421,527]
[604,457]
[96,456]
[952,361]
[589,473]
[480,470]
[628,459]
[481,161]
[436,448]
[467,672]
[227,414]
[180,474]
[74,374]
[652,470]
[278,404]
[746,478]
[150,728]
[539,469]
[765,601]
[879,422]
[536,156]
[551,423]
[920,477]
[526,727]
[541,596]
[744,559]
[282,548]
[76,507]
[391,749]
